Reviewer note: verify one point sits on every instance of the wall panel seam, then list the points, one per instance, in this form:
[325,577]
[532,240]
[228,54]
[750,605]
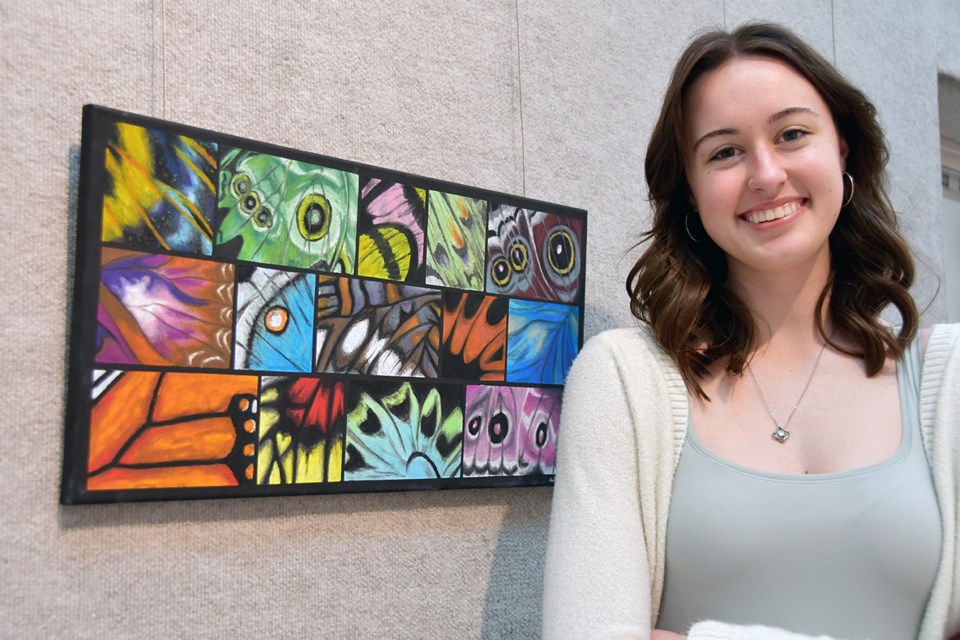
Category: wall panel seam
[523,161]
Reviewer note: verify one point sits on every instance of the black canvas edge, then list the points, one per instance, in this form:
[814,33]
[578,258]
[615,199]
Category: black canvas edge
[85,286]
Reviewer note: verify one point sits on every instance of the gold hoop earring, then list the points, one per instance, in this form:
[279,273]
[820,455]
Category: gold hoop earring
[686,225]
[853,188]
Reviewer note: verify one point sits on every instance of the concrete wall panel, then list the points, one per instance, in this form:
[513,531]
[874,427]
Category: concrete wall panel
[877,48]
[948,38]
[593,83]
[812,20]
[424,87]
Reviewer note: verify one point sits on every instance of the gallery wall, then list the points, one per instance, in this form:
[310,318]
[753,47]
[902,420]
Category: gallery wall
[548,99]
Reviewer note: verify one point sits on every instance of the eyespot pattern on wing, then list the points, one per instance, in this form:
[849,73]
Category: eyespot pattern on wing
[533,254]
[283,212]
[510,430]
[274,319]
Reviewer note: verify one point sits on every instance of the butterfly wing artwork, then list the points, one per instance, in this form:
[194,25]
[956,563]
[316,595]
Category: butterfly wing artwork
[156,430]
[269,321]
[405,430]
[284,212]
[163,310]
[510,430]
[542,341]
[533,254]
[391,227]
[456,240]
[301,430]
[474,336]
[274,319]
[161,190]
[377,328]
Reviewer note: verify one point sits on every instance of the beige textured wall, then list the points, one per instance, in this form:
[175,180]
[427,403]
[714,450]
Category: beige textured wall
[552,99]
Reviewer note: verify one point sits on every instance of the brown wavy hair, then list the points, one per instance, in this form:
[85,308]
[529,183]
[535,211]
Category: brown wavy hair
[678,286]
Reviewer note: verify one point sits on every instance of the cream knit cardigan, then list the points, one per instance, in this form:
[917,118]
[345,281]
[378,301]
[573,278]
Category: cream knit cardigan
[623,424]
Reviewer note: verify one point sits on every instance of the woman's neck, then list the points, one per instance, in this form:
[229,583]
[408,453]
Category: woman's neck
[784,306]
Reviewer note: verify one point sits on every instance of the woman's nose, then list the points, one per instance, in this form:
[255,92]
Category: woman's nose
[767,172]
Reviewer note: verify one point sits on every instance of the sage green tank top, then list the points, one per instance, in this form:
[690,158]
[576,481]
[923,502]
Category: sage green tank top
[848,555]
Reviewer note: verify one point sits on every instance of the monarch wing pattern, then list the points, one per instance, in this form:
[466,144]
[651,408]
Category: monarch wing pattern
[152,430]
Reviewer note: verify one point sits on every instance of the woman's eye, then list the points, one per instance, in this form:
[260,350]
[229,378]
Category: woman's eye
[792,135]
[723,154]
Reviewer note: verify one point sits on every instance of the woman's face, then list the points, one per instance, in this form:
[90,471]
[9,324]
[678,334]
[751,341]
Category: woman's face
[765,165]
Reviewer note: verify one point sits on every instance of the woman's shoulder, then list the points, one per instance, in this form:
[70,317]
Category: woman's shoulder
[949,329]
[637,337]
[941,363]
[940,340]
[631,352]
[627,344]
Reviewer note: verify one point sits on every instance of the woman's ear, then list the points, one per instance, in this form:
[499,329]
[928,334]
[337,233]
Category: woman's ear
[844,152]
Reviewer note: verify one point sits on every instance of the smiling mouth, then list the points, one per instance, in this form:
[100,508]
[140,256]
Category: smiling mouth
[766,215]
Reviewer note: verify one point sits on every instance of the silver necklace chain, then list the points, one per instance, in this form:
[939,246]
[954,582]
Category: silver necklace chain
[780,434]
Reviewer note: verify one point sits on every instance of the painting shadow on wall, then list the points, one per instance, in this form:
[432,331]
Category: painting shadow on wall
[253,509]
[511,608]
[69,268]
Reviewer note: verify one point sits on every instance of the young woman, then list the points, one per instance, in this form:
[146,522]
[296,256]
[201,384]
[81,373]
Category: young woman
[764,457]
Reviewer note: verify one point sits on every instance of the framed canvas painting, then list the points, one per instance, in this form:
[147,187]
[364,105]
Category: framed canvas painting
[250,320]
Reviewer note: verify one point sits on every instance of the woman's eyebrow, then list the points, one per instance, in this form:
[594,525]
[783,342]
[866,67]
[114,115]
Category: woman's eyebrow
[789,111]
[714,134]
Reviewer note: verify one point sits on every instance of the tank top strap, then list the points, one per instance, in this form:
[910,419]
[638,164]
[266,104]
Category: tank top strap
[909,370]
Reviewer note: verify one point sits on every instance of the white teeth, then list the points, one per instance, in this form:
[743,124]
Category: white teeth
[767,215]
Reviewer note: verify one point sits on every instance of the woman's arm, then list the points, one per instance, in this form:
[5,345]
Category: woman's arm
[596,577]
[713,630]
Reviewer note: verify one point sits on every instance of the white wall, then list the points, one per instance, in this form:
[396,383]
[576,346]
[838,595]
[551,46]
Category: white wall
[552,99]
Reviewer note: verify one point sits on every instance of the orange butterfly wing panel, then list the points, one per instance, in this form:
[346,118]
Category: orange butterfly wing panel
[152,430]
